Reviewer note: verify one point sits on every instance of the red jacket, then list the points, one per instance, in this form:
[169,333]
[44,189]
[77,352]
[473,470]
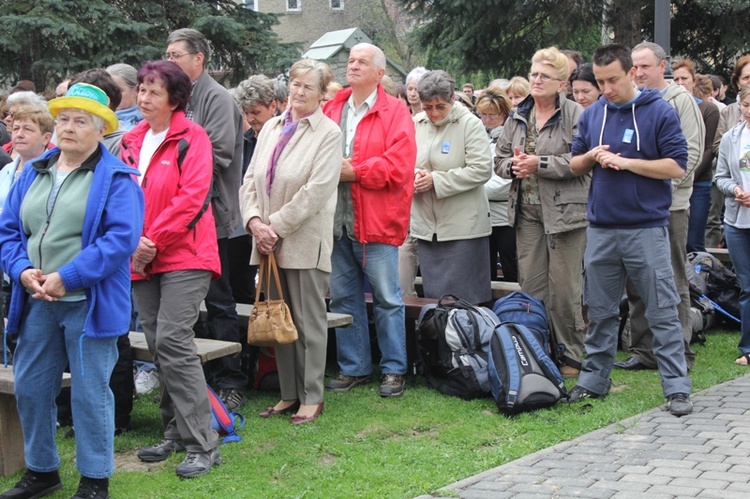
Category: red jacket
[383,156]
[178,217]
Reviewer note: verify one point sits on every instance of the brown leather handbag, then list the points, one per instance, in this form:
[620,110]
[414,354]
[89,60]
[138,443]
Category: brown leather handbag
[270,323]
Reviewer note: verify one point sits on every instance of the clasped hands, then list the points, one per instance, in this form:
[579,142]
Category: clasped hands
[264,235]
[48,287]
[607,159]
[144,254]
[523,165]
[742,197]
[423,181]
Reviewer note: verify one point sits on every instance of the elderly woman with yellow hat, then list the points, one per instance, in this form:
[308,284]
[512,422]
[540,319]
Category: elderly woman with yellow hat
[69,226]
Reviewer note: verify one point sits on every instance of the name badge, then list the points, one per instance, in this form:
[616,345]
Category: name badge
[627,137]
[446,148]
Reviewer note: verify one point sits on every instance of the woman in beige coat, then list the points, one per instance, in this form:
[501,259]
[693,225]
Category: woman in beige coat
[450,216]
[288,201]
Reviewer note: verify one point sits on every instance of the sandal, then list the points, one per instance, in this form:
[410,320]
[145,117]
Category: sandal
[745,356]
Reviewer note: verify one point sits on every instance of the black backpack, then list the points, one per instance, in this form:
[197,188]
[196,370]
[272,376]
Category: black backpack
[522,376]
[452,346]
[715,281]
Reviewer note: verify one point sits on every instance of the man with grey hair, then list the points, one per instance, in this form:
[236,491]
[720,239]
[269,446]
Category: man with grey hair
[371,221]
[212,106]
[650,61]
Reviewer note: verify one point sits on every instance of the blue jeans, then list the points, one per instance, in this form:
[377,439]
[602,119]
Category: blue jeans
[51,336]
[352,262]
[738,242]
[700,203]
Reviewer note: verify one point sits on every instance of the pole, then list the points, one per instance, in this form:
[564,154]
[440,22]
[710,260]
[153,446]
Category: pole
[662,31]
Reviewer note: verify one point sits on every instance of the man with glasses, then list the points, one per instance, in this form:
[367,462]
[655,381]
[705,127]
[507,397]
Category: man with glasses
[212,106]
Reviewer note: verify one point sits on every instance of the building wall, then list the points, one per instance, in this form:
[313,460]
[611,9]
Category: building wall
[314,20]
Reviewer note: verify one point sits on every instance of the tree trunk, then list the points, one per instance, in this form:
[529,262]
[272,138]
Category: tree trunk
[624,19]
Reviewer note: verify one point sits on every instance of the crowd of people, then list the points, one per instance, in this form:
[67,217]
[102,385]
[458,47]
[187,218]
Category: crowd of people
[134,195]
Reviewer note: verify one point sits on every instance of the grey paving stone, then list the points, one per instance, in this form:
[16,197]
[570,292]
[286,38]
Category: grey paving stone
[647,479]
[492,485]
[681,440]
[644,470]
[602,475]
[728,476]
[533,488]
[713,466]
[672,490]
[672,463]
[533,477]
[679,433]
[740,450]
[703,483]
[723,494]
[736,460]
[560,472]
[687,447]
[558,463]
[484,494]
[740,468]
[620,486]
[705,457]
[677,472]
[722,435]
[569,482]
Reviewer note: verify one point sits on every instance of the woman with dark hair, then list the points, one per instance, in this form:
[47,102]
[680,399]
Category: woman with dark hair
[175,260]
[450,214]
[585,89]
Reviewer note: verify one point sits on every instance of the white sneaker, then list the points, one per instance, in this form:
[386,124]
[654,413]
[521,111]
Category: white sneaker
[146,381]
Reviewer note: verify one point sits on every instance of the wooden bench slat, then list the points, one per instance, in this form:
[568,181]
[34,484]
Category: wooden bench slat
[207,349]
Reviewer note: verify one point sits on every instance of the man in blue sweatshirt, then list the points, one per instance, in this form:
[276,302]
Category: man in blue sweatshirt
[633,142]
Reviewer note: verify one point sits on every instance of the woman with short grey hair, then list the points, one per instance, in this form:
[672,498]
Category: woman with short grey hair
[412,80]
[126,78]
[450,212]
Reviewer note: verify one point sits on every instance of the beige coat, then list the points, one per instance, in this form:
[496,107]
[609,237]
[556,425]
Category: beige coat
[457,155]
[303,196]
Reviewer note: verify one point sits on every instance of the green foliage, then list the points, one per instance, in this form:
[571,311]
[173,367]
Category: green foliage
[366,446]
[47,40]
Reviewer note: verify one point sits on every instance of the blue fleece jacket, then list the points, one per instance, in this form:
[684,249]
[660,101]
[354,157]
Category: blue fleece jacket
[646,128]
[111,230]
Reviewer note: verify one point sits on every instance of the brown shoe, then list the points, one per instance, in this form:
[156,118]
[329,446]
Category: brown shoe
[344,383]
[569,372]
[392,385]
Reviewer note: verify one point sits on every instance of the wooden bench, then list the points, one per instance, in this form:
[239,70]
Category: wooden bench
[11,436]
[721,254]
[499,288]
[215,349]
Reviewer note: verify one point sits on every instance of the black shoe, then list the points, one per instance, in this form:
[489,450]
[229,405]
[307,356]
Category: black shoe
[91,488]
[579,393]
[198,463]
[679,404]
[392,385]
[33,484]
[344,383]
[633,364]
[160,451]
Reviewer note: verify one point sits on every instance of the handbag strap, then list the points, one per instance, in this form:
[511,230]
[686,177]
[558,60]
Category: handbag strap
[261,270]
[273,267]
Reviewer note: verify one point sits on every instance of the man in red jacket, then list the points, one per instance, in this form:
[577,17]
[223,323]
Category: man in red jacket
[371,221]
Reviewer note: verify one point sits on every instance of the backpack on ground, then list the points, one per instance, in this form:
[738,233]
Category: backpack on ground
[224,422]
[522,308]
[452,346]
[522,376]
[717,282]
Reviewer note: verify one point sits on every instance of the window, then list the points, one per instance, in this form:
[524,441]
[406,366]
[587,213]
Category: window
[250,4]
[337,4]
[294,5]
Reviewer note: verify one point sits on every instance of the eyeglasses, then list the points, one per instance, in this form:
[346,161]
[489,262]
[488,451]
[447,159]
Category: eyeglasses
[544,77]
[173,56]
[488,115]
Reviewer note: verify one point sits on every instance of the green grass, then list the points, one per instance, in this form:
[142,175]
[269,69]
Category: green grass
[365,446]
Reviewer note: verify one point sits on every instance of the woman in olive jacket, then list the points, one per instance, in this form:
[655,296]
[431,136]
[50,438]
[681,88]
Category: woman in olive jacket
[547,203]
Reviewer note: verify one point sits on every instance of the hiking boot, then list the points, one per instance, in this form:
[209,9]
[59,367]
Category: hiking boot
[392,385]
[232,398]
[198,463]
[160,451]
[90,488]
[579,393]
[344,383]
[569,371]
[679,404]
[33,484]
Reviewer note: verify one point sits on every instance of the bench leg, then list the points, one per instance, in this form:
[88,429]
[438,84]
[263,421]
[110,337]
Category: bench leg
[11,437]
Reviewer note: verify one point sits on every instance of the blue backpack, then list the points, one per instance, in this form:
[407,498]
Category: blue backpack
[522,376]
[224,422]
[522,308]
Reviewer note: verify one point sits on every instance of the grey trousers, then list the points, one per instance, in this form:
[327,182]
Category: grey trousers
[302,364]
[715,222]
[168,305]
[408,263]
[612,255]
[550,268]
[641,337]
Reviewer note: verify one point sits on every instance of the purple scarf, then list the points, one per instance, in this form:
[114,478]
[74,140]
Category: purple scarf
[286,135]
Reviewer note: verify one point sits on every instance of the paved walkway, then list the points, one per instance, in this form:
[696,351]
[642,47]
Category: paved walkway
[654,455]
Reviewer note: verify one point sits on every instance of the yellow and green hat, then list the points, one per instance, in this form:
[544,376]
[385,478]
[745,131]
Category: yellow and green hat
[89,98]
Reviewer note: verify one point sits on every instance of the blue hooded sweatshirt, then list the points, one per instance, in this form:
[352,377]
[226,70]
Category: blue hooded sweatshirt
[646,128]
